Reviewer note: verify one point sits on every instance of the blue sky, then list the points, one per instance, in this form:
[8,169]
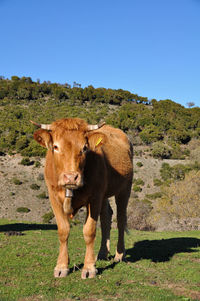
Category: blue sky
[149,47]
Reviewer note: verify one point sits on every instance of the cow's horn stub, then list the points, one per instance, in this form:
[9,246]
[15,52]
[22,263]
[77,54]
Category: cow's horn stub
[92,127]
[42,126]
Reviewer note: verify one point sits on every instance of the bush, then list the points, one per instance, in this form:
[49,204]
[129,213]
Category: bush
[139,164]
[47,217]
[151,134]
[40,177]
[26,162]
[177,201]
[23,210]
[16,181]
[138,182]
[42,196]
[21,143]
[35,187]
[179,136]
[137,188]
[161,151]
[157,182]
[37,164]
[154,196]
[138,213]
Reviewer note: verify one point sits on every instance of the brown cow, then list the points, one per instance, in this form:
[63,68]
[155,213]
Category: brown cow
[85,165]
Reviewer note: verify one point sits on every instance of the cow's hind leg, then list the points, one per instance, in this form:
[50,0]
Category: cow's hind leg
[121,202]
[105,219]
[89,232]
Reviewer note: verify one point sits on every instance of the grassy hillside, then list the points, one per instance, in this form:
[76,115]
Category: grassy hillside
[163,124]
[160,266]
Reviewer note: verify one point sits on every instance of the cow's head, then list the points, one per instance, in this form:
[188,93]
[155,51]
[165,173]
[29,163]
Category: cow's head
[69,140]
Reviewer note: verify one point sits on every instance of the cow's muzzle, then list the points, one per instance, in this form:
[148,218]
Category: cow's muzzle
[72,180]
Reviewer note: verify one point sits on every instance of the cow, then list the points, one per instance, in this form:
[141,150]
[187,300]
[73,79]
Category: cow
[85,165]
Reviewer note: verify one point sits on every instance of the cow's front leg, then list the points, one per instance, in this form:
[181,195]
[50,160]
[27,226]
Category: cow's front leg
[61,269]
[89,232]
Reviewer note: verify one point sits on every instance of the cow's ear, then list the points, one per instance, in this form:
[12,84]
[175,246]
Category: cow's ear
[44,138]
[96,140]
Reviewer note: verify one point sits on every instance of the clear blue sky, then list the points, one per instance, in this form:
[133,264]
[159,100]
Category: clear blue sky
[149,47]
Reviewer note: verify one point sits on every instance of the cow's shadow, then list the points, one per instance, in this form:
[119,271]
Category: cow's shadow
[155,250]
[158,250]
[161,250]
[21,227]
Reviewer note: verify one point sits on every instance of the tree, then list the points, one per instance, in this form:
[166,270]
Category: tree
[190,104]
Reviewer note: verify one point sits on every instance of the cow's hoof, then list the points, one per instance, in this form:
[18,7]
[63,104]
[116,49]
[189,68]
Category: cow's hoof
[102,256]
[88,273]
[119,257]
[60,272]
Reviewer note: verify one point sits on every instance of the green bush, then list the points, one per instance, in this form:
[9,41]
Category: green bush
[35,187]
[47,217]
[16,181]
[151,134]
[21,143]
[157,182]
[37,164]
[42,196]
[161,151]
[23,210]
[26,162]
[138,182]
[154,196]
[137,188]
[139,164]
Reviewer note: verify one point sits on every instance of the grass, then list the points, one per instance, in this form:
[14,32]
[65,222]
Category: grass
[160,266]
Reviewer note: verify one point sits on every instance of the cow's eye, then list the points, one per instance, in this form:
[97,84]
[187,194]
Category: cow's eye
[55,148]
[85,149]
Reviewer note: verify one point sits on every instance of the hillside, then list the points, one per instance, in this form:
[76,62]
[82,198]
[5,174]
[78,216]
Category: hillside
[165,136]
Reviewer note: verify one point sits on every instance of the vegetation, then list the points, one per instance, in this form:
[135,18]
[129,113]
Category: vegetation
[177,203]
[178,171]
[23,210]
[147,122]
[160,266]
[26,161]
[47,217]
[35,186]
[42,195]
[16,181]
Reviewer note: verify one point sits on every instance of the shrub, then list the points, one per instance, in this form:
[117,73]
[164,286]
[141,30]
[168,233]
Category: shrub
[166,171]
[137,188]
[138,213]
[42,196]
[157,182]
[138,182]
[161,151]
[26,162]
[21,143]
[151,134]
[35,187]
[47,217]
[139,164]
[177,201]
[40,177]
[154,196]
[179,136]
[16,181]
[37,164]
[23,210]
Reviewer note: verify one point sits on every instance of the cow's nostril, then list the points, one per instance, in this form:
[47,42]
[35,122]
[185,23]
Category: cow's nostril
[76,177]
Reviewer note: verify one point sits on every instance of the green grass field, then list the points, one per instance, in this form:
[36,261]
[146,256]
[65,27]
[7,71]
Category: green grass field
[160,266]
